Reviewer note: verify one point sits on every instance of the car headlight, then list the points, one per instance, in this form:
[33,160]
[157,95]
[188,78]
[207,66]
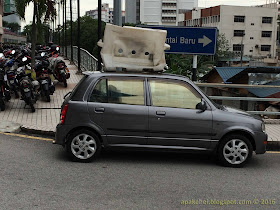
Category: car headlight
[263,127]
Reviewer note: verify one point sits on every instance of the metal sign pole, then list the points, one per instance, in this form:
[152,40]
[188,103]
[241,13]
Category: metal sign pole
[79,37]
[194,69]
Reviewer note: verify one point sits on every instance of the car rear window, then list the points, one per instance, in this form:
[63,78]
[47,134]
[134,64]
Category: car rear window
[78,91]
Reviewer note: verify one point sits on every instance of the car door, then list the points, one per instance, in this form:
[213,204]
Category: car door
[119,104]
[173,117]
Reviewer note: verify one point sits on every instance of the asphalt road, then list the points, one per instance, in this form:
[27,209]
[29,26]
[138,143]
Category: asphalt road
[36,174]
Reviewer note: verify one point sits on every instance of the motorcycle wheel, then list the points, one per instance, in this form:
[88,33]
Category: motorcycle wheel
[31,105]
[65,83]
[16,93]
[8,96]
[2,105]
[48,98]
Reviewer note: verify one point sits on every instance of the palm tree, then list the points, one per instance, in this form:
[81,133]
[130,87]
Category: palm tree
[42,8]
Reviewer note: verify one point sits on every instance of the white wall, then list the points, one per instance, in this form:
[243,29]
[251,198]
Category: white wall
[253,15]
[151,10]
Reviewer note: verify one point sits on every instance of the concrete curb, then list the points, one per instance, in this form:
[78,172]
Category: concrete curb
[273,146]
[29,130]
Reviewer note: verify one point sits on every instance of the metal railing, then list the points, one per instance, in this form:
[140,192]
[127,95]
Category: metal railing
[88,61]
[231,98]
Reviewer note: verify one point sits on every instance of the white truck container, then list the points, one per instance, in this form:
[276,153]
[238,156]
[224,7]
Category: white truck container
[133,49]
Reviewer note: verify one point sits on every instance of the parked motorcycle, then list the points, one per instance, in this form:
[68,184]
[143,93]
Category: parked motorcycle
[43,77]
[4,89]
[26,87]
[60,70]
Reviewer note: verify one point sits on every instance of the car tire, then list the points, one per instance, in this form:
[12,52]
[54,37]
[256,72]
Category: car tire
[2,105]
[235,150]
[83,146]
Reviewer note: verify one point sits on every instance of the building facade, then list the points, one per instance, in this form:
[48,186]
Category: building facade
[1,20]
[164,12]
[106,13]
[132,11]
[13,38]
[252,30]
[9,11]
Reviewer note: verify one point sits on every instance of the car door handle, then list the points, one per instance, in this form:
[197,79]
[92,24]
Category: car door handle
[99,110]
[161,113]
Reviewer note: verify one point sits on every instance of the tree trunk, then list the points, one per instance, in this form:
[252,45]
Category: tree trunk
[34,34]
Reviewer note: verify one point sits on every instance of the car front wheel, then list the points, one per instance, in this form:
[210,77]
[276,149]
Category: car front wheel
[83,146]
[235,151]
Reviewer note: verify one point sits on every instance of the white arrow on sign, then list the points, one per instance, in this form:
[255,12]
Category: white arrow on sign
[205,40]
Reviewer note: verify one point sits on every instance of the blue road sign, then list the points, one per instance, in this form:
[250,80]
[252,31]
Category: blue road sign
[190,40]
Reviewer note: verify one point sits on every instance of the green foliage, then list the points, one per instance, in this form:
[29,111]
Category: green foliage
[42,35]
[89,36]
[182,64]
[14,27]
[223,47]
[27,31]
[129,24]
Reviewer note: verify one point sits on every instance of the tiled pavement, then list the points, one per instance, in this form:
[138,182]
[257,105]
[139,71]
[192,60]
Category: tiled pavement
[47,114]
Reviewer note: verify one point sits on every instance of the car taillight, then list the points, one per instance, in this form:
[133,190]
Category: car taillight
[63,113]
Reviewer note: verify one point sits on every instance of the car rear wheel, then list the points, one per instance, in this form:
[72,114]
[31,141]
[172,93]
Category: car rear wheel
[235,151]
[83,146]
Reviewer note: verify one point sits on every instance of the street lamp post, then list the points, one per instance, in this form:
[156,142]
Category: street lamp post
[71,28]
[79,37]
[65,11]
[99,34]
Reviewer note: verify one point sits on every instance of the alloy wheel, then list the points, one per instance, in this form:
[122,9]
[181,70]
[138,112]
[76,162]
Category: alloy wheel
[235,151]
[83,146]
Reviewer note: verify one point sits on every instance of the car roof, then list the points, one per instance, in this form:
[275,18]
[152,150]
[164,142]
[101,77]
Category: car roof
[137,74]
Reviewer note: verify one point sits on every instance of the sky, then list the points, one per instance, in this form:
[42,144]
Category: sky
[92,4]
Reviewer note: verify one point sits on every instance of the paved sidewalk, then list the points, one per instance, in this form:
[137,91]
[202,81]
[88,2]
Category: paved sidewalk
[47,114]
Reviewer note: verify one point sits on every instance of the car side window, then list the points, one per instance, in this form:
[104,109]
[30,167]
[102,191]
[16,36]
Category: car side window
[119,91]
[99,94]
[167,93]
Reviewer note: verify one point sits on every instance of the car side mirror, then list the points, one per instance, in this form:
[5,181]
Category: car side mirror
[201,105]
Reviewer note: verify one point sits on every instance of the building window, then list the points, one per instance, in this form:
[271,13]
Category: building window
[267,20]
[238,47]
[239,33]
[251,37]
[239,19]
[266,33]
[251,50]
[265,48]
[252,24]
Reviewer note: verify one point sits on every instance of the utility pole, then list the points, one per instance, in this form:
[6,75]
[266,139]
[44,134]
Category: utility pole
[65,36]
[79,37]
[99,34]
[118,12]
[71,28]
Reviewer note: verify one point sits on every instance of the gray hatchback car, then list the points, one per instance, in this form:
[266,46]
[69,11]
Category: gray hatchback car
[154,112]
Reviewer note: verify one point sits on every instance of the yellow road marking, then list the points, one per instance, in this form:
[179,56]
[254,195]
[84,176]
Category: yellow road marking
[273,152]
[26,136]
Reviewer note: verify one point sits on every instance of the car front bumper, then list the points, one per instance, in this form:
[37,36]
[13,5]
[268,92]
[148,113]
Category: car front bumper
[261,141]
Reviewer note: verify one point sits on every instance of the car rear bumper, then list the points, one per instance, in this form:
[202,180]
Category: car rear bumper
[61,134]
[261,141]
